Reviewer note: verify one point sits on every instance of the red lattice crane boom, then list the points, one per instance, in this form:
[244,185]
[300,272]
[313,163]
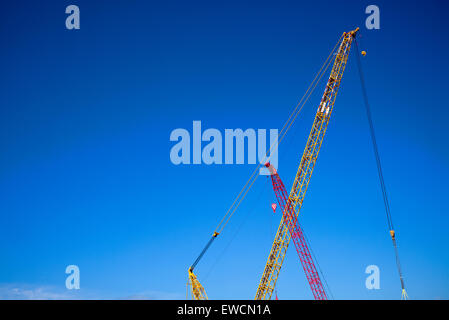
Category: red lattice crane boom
[297,235]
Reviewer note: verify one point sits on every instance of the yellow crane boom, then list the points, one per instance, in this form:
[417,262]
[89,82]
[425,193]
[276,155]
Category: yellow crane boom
[196,289]
[308,160]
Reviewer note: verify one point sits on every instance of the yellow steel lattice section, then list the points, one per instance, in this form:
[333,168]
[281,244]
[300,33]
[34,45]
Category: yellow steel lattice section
[308,160]
[196,289]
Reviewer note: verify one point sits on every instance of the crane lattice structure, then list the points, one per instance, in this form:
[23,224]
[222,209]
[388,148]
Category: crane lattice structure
[305,170]
[290,219]
[291,205]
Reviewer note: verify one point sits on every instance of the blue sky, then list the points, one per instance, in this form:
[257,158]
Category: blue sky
[85,171]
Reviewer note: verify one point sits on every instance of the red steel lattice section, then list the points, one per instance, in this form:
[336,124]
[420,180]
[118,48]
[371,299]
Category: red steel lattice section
[297,236]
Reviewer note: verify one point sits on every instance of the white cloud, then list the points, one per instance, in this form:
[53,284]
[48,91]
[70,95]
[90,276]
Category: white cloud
[155,295]
[35,292]
[28,292]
